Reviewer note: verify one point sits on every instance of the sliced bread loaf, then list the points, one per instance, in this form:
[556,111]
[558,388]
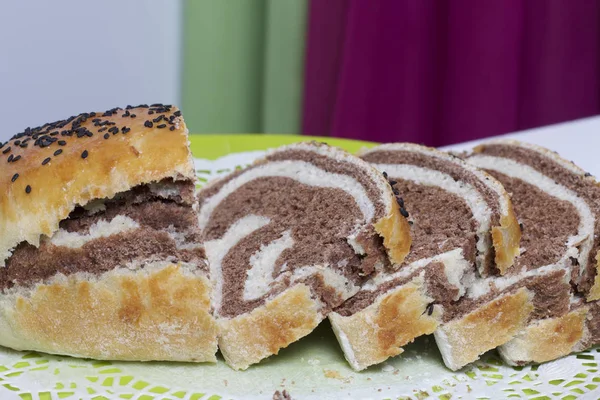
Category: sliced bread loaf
[291,237]
[558,206]
[463,228]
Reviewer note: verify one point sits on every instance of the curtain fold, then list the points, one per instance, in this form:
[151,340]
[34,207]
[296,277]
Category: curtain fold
[440,72]
[243,65]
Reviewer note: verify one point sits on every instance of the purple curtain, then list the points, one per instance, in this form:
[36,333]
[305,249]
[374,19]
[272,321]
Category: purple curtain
[445,71]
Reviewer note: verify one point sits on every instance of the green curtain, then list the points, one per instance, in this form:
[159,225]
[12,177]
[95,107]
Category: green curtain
[243,65]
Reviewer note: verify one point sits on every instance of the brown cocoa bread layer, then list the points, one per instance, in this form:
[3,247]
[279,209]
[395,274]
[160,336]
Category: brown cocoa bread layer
[323,219]
[584,185]
[157,213]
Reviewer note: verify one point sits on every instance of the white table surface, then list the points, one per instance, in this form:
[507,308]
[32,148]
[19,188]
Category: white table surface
[578,141]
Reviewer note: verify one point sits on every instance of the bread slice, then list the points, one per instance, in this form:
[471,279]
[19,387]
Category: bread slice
[463,227]
[290,238]
[99,240]
[557,205]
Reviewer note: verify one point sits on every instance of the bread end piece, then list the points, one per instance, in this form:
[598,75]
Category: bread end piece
[463,340]
[249,338]
[145,154]
[395,319]
[161,312]
[546,340]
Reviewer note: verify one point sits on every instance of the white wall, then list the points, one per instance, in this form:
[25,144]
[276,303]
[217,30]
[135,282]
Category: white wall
[62,57]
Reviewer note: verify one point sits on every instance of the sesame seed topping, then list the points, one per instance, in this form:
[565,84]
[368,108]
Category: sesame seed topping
[10,158]
[17,158]
[162,126]
[106,136]
[125,130]
[14,177]
[27,189]
[133,115]
[177,113]
[62,142]
[148,124]
[172,128]
[57,152]
[403,212]
[46,161]
[6,150]
[150,112]
[84,154]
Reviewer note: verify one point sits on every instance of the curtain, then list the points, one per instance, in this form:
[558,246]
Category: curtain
[440,72]
[243,64]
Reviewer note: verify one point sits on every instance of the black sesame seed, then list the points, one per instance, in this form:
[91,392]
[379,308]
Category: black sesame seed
[102,129]
[385,174]
[148,124]
[430,309]
[106,136]
[393,182]
[57,152]
[17,142]
[46,161]
[400,201]
[10,158]
[27,189]
[6,150]
[133,115]
[172,128]
[84,154]
[150,112]
[125,130]
[62,142]
[162,126]
[177,113]
[14,178]
[587,174]
[574,261]
[114,130]
[158,118]
[521,227]
[403,212]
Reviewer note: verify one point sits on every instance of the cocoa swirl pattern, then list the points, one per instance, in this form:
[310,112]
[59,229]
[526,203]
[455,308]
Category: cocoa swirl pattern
[303,215]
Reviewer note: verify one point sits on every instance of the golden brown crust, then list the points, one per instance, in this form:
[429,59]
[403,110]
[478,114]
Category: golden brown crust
[112,165]
[546,339]
[395,319]
[463,340]
[395,230]
[249,338]
[506,239]
[159,313]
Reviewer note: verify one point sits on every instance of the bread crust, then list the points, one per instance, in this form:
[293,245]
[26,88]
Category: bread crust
[546,339]
[112,165]
[161,312]
[395,319]
[506,239]
[395,231]
[463,340]
[249,338]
